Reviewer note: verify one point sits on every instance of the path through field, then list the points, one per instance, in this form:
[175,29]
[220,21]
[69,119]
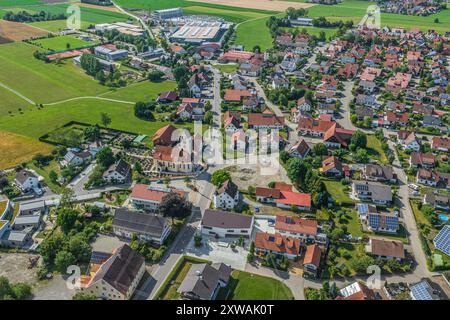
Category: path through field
[17,94]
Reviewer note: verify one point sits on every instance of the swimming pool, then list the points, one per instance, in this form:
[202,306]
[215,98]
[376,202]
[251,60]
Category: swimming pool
[443,217]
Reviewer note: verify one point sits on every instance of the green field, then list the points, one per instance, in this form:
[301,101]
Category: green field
[252,33]
[142,91]
[313,31]
[13,3]
[229,15]
[61,43]
[34,122]
[227,68]
[248,286]
[375,151]
[40,81]
[336,190]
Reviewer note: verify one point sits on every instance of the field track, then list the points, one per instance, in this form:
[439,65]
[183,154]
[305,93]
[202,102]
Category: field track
[259,4]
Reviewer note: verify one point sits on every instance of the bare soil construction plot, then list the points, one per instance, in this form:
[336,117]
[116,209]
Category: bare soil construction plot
[259,4]
[19,31]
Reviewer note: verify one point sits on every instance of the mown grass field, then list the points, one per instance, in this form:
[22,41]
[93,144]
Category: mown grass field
[34,122]
[142,91]
[40,81]
[252,33]
[227,14]
[13,3]
[248,286]
[16,149]
[61,43]
[10,103]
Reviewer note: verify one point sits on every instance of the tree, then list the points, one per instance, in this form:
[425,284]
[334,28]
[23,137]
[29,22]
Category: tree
[18,291]
[361,156]
[66,219]
[51,245]
[67,198]
[64,259]
[358,140]
[174,206]
[105,119]
[79,248]
[296,169]
[436,20]
[208,117]
[53,175]
[84,296]
[92,133]
[155,76]
[320,149]
[105,157]
[220,176]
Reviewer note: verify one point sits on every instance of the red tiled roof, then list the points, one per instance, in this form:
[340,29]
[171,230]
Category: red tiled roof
[264,119]
[277,243]
[164,135]
[236,55]
[295,198]
[142,191]
[298,225]
[236,95]
[268,192]
[312,255]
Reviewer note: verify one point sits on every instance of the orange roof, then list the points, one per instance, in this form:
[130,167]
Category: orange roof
[305,123]
[236,95]
[283,186]
[164,135]
[143,191]
[295,198]
[312,255]
[277,243]
[264,119]
[237,55]
[190,100]
[173,154]
[297,225]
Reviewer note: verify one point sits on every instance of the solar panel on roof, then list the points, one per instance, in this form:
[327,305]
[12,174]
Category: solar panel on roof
[442,240]
[421,291]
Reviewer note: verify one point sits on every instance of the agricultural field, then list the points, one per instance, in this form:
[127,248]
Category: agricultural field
[61,43]
[50,118]
[15,31]
[229,15]
[142,91]
[13,3]
[17,149]
[42,82]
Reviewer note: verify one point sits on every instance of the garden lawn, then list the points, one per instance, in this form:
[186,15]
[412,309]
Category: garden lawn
[36,122]
[336,190]
[141,91]
[16,149]
[45,173]
[226,68]
[374,149]
[62,43]
[248,286]
[43,82]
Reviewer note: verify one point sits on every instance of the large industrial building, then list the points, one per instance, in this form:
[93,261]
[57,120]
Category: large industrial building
[167,14]
[200,31]
[122,27]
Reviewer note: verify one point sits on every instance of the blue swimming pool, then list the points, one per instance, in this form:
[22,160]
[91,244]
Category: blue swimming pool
[443,217]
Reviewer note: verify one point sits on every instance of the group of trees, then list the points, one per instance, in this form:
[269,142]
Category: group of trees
[17,291]
[24,16]
[307,179]
[181,74]
[358,144]
[322,22]
[98,2]
[104,158]
[68,244]
[144,110]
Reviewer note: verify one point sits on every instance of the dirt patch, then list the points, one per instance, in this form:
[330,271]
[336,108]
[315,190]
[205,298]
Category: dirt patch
[14,267]
[250,175]
[259,4]
[106,8]
[5,40]
[16,31]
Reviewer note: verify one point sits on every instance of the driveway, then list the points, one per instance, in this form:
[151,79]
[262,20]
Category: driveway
[219,251]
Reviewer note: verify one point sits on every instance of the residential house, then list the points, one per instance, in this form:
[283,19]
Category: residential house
[372,191]
[119,172]
[147,227]
[432,178]
[396,118]
[336,137]
[331,166]
[284,198]
[167,97]
[306,230]
[311,261]
[423,291]
[367,86]
[26,180]
[385,249]
[77,158]
[432,122]
[231,125]
[408,140]
[356,291]
[224,224]
[203,281]
[265,120]
[438,201]
[116,277]
[303,104]
[300,149]
[440,144]
[277,244]
[363,112]
[422,160]
[227,196]
[314,127]
[148,197]
[376,172]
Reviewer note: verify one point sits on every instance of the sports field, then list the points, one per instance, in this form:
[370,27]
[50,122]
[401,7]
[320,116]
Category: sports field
[40,81]
[61,43]
[16,149]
